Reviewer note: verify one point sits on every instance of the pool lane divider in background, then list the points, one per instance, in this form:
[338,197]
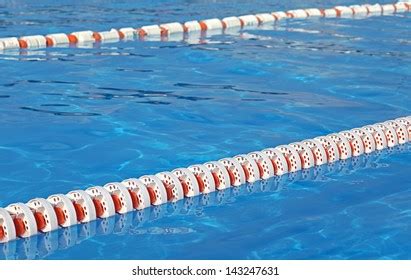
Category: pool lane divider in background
[22,220]
[174,28]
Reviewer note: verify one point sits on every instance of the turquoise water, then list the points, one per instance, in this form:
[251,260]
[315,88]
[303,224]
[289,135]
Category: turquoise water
[74,117]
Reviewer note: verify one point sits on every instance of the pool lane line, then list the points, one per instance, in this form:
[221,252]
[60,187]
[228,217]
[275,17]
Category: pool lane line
[39,215]
[43,245]
[174,28]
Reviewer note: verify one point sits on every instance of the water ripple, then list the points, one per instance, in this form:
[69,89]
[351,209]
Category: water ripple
[58,113]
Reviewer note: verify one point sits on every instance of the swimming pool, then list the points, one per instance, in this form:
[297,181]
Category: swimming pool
[72,117]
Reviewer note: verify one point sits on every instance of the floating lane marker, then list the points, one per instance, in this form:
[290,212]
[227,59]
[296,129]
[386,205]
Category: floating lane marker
[168,29]
[22,220]
[42,245]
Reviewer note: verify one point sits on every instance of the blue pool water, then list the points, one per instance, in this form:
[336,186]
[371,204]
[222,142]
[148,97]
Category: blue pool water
[74,117]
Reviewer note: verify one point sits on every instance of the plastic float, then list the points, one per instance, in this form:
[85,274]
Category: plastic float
[121,197]
[83,206]
[280,165]
[192,26]
[171,28]
[232,22]
[279,15]
[389,133]
[139,194]
[64,208]
[9,43]
[32,42]
[378,135]
[81,37]
[172,184]
[406,122]
[102,200]
[265,18]
[44,214]
[155,188]
[23,219]
[210,25]
[306,155]
[7,226]
[344,148]
[366,138]
[80,207]
[57,39]
[150,30]
[292,157]
[355,141]
[344,11]
[330,147]
[400,129]
[220,174]
[127,33]
[250,167]
[108,36]
[375,9]
[204,178]
[318,151]
[359,9]
[188,182]
[249,20]
[299,13]
[329,13]
[264,164]
[235,171]
[314,12]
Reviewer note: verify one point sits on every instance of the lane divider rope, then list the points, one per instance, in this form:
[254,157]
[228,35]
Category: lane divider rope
[169,29]
[42,245]
[39,215]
